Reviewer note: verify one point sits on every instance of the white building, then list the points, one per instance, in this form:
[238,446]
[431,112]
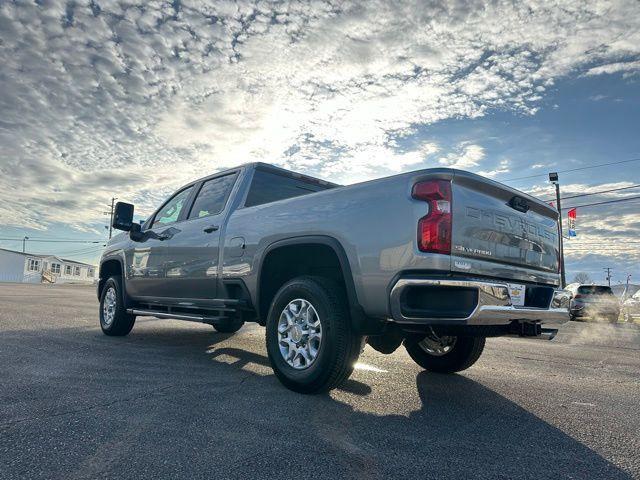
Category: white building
[35,268]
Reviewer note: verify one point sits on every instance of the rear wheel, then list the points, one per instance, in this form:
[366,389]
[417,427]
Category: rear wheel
[114,319]
[445,354]
[228,326]
[310,343]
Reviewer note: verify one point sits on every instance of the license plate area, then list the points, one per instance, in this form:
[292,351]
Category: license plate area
[517,293]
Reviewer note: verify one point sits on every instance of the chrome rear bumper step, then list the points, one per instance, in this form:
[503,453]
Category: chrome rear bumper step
[492,307]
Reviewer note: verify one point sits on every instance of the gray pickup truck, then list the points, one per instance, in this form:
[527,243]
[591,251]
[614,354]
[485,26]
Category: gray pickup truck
[435,259]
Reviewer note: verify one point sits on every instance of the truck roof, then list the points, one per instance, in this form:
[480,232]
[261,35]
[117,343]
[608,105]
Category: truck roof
[291,173]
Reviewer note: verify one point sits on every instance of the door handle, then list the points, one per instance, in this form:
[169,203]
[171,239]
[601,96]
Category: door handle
[211,228]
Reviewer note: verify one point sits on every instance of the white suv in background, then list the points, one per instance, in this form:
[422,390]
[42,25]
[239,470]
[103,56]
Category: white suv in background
[593,301]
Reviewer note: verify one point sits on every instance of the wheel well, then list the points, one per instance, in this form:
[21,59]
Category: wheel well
[287,262]
[108,269]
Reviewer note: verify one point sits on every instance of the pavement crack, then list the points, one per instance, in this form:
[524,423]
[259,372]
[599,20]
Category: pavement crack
[6,426]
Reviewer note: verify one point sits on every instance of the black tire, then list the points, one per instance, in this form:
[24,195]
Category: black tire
[339,348]
[465,352]
[228,326]
[122,322]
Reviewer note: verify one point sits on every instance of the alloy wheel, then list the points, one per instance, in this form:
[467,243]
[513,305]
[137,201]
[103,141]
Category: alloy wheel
[109,305]
[299,334]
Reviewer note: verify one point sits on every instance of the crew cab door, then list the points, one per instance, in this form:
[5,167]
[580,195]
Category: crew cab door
[192,254]
[146,259]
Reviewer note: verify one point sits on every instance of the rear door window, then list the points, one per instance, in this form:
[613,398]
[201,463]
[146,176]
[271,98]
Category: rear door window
[213,196]
[267,187]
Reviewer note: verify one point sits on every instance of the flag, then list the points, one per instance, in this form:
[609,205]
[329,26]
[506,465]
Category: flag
[571,218]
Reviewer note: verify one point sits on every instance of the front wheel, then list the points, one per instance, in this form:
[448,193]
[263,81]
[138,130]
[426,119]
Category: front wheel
[114,319]
[445,354]
[311,345]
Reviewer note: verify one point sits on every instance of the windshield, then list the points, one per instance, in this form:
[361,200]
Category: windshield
[595,290]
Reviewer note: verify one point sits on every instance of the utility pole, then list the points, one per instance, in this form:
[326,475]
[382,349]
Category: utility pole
[608,270]
[553,178]
[24,243]
[110,213]
[626,287]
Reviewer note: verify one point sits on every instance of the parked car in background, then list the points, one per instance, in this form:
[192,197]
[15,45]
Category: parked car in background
[631,307]
[435,259]
[593,301]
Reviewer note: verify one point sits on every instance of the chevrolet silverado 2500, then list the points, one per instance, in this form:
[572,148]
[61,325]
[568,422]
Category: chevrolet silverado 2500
[435,259]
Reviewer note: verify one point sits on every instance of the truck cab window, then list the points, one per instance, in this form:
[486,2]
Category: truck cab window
[213,196]
[269,187]
[170,212]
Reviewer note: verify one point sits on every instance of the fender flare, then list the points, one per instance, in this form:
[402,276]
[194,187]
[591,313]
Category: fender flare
[118,257]
[358,317]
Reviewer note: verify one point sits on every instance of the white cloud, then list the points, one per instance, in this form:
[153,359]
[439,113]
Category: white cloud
[626,67]
[502,167]
[464,156]
[135,98]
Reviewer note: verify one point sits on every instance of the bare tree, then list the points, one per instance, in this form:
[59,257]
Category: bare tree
[582,277]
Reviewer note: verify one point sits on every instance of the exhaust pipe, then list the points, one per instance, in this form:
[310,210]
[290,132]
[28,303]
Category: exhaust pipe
[532,330]
[548,333]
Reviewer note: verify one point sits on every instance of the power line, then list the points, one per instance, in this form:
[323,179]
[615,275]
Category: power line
[65,238]
[589,249]
[627,199]
[613,244]
[82,252]
[593,193]
[52,241]
[573,169]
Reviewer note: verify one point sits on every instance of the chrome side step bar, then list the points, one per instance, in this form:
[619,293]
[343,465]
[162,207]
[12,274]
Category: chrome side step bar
[175,316]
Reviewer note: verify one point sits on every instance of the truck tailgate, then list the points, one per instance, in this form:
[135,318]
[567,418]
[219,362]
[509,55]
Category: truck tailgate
[500,232]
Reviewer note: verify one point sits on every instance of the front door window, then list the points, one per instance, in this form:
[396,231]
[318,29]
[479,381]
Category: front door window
[171,210]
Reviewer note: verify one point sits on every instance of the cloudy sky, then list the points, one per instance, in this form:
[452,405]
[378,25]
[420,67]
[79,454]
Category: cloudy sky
[133,98]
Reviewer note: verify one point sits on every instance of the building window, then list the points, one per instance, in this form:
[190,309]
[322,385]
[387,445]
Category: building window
[55,268]
[76,271]
[34,265]
[90,273]
[67,269]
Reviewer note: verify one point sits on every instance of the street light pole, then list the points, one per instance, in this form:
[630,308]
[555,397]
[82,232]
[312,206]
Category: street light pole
[553,178]
[24,243]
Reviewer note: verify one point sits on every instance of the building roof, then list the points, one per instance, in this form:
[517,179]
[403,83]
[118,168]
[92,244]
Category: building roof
[42,255]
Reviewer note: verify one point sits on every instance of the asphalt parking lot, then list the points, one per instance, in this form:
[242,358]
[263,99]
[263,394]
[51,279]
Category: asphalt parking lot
[177,400]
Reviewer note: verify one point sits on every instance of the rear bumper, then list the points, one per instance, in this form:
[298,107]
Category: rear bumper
[484,303]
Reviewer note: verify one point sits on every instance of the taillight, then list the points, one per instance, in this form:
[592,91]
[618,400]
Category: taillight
[434,229]
[578,296]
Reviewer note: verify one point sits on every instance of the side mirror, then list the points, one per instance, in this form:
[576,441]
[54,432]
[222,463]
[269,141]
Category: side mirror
[123,217]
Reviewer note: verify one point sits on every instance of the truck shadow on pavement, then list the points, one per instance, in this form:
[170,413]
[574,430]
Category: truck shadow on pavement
[184,403]
[461,430]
